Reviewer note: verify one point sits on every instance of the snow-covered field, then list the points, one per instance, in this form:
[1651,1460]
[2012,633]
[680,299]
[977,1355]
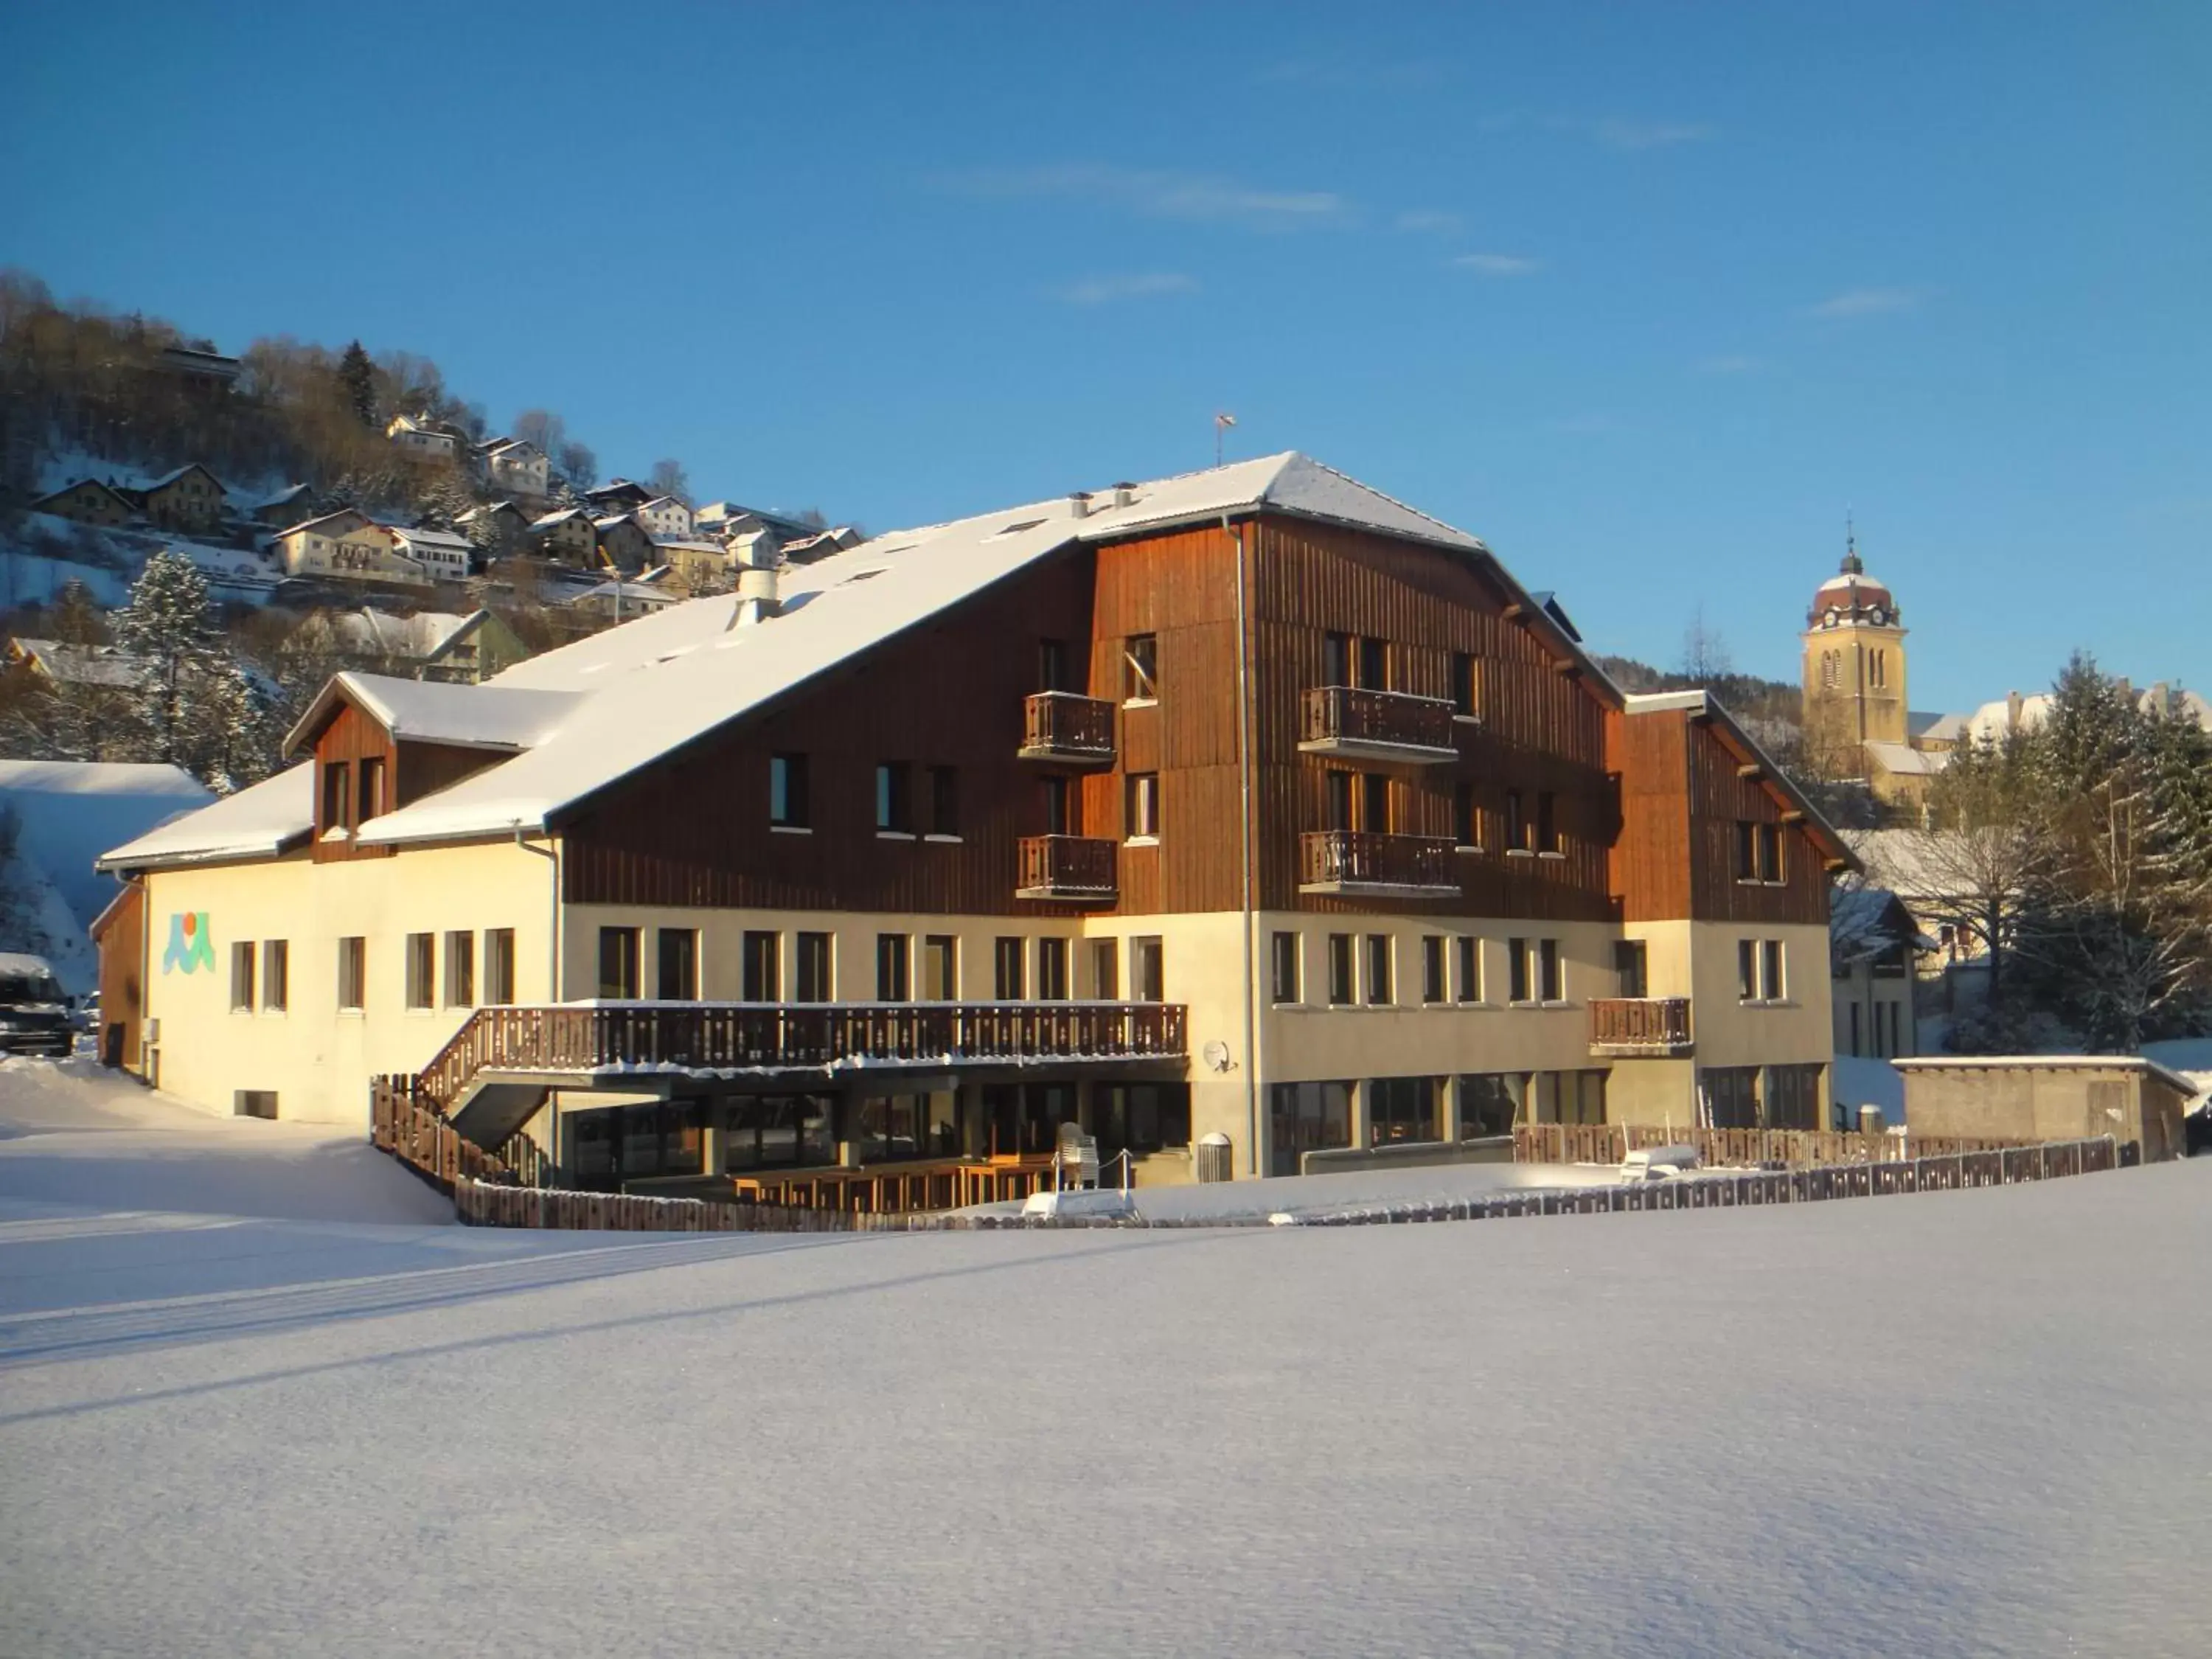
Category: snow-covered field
[255,1400]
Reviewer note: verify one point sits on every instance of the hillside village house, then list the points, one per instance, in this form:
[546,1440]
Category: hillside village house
[429,645]
[1250,803]
[419,438]
[665,516]
[514,465]
[625,544]
[568,537]
[191,499]
[91,502]
[1872,942]
[696,567]
[617,495]
[287,507]
[444,556]
[347,545]
[503,527]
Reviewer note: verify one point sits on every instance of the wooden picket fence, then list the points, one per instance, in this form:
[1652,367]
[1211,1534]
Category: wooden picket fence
[1610,1143]
[480,1204]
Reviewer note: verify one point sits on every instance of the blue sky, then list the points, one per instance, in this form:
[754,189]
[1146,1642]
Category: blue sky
[1643,294]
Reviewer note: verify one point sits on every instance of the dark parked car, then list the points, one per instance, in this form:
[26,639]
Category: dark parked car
[35,1017]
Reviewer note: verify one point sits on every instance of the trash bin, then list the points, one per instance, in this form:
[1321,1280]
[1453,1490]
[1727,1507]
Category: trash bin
[1213,1158]
[1870,1120]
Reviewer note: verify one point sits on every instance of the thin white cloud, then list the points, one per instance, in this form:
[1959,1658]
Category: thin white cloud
[1429,220]
[1499,265]
[1866,302]
[1730,365]
[1159,194]
[1103,290]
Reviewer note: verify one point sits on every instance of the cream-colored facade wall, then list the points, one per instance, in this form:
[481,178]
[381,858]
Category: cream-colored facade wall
[1867,703]
[1883,1003]
[316,1058]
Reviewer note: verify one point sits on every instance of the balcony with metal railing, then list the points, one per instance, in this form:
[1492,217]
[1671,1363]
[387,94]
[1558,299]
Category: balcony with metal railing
[1359,723]
[1068,728]
[1353,862]
[1649,1028]
[1075,869]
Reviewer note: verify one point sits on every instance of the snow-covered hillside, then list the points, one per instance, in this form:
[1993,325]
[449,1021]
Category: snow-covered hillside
[252,1403]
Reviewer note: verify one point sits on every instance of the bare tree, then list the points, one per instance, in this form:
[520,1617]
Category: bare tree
[578,465]
[1705,654]
[542,427]
[667,478]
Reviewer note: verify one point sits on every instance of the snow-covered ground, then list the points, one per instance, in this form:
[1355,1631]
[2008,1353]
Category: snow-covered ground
[253,1399]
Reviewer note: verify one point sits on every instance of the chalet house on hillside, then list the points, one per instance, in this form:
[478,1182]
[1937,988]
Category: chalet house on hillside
[443,555]
[1250,803]
[191,499]
[568,537]
[287,507]
[89,501]
[201,369]
[504,528]
[625,545]
[430,645]
[515,466]
[347,545]
[664,516]
[617,495]
[696,567]
[420,439]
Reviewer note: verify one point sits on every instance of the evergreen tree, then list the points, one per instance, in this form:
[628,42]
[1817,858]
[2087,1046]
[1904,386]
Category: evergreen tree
[167,627]
[357,377]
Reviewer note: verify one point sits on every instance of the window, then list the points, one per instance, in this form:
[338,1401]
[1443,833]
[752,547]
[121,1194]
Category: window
[372,787]
[1516,825]
[1769,852]
[353,974]
[1340,800]
[892,967]
[1400,1109]
[944,801]
[1432,967]
[759,960]
[1106,969]
[1468,968]
[1140,668]
[1375,803]
[1143,817]
[275,975]
[1759,970]
[422,970]
[1551,972]
[1378,968]
[1855,1029]
[1517,969]
[1060,806]
[678,979]
[1052,666]
[1284,964]
[1306,1117]
[1466,693]
[1467,830]
[1489,1103]
[787,792]
[1374,665]
[337,795]
[460,970]
[940,968]
[1570,1097]
[1731,1095]
[1793,1097]
[1629,961]
[894,807]
[1340,968]
[1006,955]
[1547,822]
[498,966]
[1052,970]
[1147,968]
[618,964]
[1757,851]
[241,977]
[812,969]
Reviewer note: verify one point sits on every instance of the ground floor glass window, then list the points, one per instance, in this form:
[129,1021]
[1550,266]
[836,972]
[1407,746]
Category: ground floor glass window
[1400,1109]
[1306,1117]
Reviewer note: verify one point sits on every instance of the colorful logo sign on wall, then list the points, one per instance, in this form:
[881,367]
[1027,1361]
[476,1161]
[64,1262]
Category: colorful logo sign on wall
[191,946]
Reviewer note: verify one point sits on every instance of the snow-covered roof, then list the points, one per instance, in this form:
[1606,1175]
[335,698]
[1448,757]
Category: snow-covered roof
[82,664]
[631,592]
[318,523]
[563,517]
[1936,728]
[505,717]
[69,810]
[443,541]
[175,473]
[661,503]
[259,822]
[2166,1074]
[382,634]
[1902,760]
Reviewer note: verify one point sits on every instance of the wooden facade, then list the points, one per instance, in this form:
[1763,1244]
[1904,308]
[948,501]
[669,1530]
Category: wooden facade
[119,931]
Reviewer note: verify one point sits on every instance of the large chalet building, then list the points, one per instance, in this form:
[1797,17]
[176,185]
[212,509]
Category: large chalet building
[1250,803]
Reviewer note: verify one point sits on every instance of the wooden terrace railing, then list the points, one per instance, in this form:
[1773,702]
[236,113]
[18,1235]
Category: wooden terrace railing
[1640,1025]
[1610,1143]
[1353,717]
[715,1036]
[1356,859]
[1064,725]
[1068,867]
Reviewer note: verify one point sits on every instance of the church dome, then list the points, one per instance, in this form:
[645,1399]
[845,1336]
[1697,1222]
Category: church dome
[1852,596]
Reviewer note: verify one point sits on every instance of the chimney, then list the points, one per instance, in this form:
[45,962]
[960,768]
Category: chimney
[2012,712]
[1124,493]
[757,600]
[1079,505]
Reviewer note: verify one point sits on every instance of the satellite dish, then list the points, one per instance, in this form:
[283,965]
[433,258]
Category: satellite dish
[1216,1054]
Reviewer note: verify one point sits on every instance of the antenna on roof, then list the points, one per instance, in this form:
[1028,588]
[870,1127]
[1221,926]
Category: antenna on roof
[1222,423]
[1852,567]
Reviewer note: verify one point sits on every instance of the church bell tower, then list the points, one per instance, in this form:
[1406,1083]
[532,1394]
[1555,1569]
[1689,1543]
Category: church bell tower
[1854,668]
